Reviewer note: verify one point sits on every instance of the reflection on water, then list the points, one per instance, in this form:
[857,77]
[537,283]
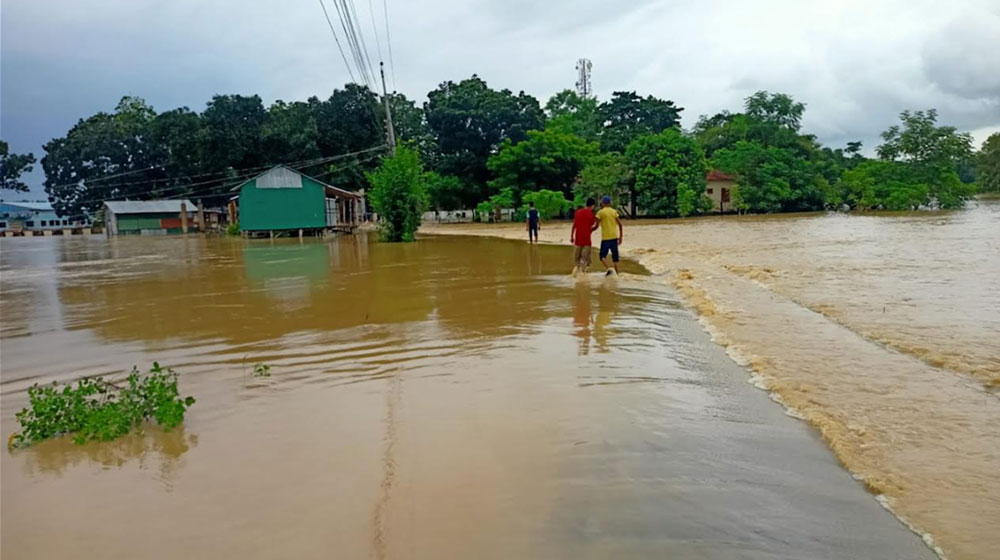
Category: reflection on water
[449,398]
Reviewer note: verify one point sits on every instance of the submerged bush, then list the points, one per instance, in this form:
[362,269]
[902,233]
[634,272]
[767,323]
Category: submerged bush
[95,409]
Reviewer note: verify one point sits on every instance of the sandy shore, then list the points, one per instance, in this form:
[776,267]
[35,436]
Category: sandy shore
[924,439]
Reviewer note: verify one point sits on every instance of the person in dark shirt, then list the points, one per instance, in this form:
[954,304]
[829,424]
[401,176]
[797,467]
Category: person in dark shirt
[532,222]
[579,236]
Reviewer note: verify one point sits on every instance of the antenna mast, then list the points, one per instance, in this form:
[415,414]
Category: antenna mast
[583,85]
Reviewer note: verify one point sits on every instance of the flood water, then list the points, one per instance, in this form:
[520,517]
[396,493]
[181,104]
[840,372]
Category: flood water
[449,398]
[881,330]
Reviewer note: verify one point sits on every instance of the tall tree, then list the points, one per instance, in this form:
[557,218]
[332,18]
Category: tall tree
[775,108]
[232,134]
[103,157]
[988,164]
[289,133]
[933,153]
[569,112]
[349,121]
[670,171]
[12,166]
[773,179]
[470,120]
[626,116]
[605,174]
[545,160]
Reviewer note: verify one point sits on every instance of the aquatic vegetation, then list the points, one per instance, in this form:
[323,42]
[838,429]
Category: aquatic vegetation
[98,409]
[233,229]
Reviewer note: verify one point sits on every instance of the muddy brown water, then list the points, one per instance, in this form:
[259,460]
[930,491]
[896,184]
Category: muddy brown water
[449,398]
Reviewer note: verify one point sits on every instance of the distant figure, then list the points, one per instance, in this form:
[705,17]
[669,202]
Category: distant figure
[611,233]
[579,236]
[532,223]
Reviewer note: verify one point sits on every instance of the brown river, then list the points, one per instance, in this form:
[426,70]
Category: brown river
[463,397]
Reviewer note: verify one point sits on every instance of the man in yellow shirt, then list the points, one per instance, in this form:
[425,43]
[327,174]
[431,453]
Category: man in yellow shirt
[611,233]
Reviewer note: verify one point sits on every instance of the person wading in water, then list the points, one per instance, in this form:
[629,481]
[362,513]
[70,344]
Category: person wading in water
[579,236]
[611,233]
[532,222]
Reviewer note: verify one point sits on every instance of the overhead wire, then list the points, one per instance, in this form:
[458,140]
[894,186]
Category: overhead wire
[364,46]
[335,38]
[388,42]
[244,175]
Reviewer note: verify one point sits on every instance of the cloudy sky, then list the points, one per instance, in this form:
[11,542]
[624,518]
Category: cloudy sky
[855,63]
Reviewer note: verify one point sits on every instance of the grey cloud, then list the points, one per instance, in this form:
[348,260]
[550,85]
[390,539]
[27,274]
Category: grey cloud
[855,63]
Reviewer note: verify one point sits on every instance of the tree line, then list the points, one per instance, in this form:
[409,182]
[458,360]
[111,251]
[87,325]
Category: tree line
[479,147]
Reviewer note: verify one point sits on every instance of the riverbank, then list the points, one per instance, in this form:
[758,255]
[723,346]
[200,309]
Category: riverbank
[880,331]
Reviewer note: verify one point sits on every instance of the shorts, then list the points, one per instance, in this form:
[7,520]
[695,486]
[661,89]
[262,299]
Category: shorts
[609,245]
[533,227]
[581,255]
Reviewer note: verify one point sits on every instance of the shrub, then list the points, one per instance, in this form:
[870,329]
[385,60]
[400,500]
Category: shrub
[96,409]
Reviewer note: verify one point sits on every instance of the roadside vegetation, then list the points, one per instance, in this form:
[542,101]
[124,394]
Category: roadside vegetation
[470,146]
[95,408]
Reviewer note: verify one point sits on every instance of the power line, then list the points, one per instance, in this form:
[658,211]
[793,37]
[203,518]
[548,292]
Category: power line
[244,175]
[371,12]
[388,42]
[339,47]
[364,47]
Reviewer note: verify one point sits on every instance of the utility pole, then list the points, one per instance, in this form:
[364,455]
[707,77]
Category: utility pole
[390,132]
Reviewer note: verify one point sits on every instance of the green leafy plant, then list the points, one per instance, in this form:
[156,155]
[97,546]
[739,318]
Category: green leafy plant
[233,228]
[97,409]
[260,369]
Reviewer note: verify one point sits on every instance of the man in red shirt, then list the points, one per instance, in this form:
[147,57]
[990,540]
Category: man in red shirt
[579,236]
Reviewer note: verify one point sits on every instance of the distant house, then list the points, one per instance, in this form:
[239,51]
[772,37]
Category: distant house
[719,188]
[149,217]
[25,217]
[285,200]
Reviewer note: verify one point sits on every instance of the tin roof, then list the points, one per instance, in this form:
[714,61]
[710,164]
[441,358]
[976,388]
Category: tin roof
[148,206]
[716,175]
[40,206]
[329,189]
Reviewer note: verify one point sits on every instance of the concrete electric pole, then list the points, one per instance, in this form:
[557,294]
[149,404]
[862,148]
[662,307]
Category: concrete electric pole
[390,132]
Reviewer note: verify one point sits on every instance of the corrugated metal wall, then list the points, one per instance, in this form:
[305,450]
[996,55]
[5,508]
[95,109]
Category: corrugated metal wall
[282,208]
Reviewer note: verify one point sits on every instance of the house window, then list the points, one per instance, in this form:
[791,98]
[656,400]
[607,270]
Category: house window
[29,223]
[710,191]
[3,224]
[725,195]
[43,223]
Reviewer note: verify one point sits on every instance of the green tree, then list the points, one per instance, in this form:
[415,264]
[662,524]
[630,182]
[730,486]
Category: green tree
[988,164]
[546,159]
[772,179]
[777,109]
[398,194]
[232,132]
[882,185]
[289,133]
[444,192]
[626,116]
[605,174]
[548,203]
[492,206]
[349,121]
[571,113]
[12,166]
[470,121]
[932,153]
[670,171]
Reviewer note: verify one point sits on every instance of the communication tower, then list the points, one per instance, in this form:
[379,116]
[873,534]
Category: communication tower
[583,85]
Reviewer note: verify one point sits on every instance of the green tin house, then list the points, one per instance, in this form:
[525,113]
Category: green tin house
[285,200]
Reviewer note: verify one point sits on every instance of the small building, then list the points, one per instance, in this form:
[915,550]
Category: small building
[719,188]
[150,217]
[448,216]
[20,218]
[285,200]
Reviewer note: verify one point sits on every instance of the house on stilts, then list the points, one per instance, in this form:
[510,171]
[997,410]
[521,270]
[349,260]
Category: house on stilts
[283,201]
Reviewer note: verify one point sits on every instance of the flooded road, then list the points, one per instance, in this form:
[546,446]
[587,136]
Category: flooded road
[449,398]
[882,331]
